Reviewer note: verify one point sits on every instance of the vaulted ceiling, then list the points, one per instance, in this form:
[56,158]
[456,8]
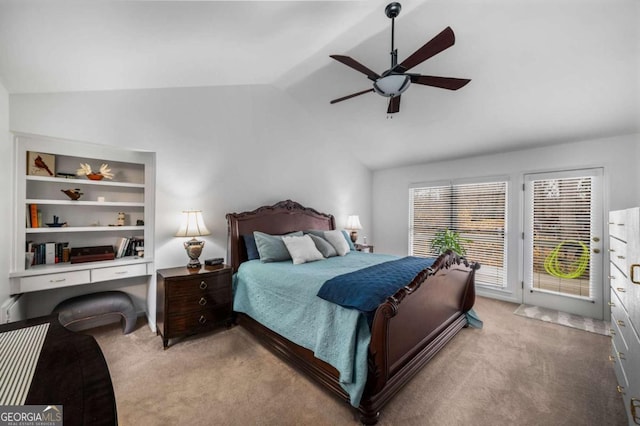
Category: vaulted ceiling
[543,71]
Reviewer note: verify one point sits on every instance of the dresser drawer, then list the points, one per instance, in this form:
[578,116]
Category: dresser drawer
[619,284]
[617,224]
[196,321]
[623,326]
[118,272]
[45,282]
[616,333]
[620,372]
[618,254]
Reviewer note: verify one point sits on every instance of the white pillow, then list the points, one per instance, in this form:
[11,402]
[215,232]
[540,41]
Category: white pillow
[336,238]
[302,249]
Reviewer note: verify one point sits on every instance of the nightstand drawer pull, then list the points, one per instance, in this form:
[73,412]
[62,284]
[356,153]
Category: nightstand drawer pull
[612,332]
[621,355]
[203,285]
[612,358]
[202,301]
[620,389]
[611,304]
[202,319]
[621,290]
[59,280]
[620,323]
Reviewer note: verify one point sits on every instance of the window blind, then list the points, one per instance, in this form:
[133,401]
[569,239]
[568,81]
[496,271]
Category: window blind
[478,211]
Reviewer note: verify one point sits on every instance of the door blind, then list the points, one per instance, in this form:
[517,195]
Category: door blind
[477,211]
[562,221]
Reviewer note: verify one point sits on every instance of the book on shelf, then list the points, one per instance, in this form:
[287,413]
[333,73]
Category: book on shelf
[48,253]
[33,214]
[128,246]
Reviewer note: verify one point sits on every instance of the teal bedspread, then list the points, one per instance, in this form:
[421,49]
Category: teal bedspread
[282,297]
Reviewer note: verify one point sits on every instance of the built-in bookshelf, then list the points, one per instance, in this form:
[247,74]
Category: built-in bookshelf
[105,213]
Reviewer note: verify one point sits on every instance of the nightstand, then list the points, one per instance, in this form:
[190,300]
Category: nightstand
[191,301]
[365,248]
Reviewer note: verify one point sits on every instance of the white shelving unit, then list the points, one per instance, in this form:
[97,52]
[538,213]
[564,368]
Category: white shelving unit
[90,221]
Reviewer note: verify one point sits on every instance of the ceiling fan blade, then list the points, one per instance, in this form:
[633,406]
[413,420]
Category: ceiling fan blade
[350,62]
[442,41]
[350,96]
[394,105]
[441,82]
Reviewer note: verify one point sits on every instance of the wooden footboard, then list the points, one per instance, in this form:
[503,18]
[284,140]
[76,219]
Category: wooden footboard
[413,325]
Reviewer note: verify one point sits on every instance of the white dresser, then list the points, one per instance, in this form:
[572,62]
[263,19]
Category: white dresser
[624,279]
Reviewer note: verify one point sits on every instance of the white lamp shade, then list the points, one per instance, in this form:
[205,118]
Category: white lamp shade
[192,224]
[392,85]
[353,222]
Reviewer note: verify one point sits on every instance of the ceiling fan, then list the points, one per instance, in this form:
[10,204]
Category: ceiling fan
[394,81]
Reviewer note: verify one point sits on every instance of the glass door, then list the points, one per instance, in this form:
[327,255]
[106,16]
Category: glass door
[563,242]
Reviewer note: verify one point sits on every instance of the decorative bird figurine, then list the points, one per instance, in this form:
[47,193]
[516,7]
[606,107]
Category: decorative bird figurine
[39,163]
[74,194]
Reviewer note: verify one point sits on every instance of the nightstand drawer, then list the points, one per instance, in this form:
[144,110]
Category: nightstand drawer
[198,286]
[194,322]
[192,302]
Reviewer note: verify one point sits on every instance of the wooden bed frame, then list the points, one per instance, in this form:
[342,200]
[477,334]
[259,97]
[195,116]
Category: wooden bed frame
[408,329]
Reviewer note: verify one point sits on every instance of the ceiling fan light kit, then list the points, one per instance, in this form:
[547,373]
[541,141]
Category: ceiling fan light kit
[396,80]
[391,85]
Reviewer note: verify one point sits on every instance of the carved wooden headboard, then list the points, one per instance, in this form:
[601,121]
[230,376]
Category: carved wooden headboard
[280,218]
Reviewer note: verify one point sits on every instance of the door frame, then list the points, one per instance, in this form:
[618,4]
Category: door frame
[592,307]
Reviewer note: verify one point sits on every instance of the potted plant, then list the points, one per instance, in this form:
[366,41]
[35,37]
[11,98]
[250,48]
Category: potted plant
[447,239]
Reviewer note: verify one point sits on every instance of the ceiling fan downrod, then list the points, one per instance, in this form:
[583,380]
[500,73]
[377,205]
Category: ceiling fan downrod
[392,10]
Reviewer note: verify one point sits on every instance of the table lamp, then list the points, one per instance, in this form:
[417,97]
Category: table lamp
[192,225]
[353,224]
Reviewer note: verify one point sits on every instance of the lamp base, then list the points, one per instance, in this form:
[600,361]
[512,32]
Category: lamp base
[354,236]
[194,250]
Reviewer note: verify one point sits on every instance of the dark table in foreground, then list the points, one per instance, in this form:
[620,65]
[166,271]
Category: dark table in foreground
[72,372]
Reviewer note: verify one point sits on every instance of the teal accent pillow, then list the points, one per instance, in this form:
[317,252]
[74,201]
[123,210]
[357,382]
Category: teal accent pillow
[323,246]
[352,247]
[271,247]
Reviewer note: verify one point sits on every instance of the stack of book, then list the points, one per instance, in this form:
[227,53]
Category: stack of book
[128,246]
[48,253]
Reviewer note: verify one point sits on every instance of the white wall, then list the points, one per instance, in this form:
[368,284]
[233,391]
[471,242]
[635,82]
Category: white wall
[618,156]
[5,193]
[219,149]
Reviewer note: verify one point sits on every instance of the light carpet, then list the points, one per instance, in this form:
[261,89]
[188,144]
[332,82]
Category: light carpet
[512,372]
[563,318]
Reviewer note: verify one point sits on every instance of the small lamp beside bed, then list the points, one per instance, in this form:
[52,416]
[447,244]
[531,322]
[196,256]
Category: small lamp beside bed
[192,225]
[353,224]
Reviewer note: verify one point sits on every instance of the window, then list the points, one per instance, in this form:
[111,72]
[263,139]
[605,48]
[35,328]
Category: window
[478,211]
